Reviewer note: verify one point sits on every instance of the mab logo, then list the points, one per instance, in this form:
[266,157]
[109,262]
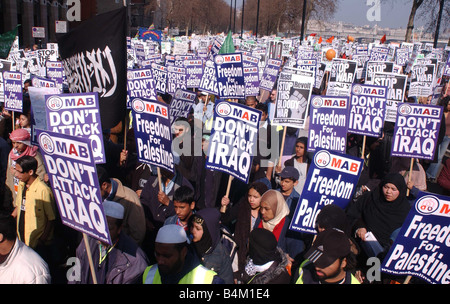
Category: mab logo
[324,159]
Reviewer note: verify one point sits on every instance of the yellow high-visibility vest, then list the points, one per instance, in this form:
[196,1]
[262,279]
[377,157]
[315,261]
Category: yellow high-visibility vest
[198,275]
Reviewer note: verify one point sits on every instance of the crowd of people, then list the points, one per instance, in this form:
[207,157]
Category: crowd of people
[185,227]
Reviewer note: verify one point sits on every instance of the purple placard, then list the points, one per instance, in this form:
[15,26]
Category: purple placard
[181,104]
[152,131]
[416,131]
[251,75]
[270,74]
[73,177]
[233,139]
[230,75]
[12,88]
[54,72]
[421,247]
[42,82]
[332,179]
[208,83]
[78,115]
[194,72]
[160,77]
[140,84]
[176,79]
[328,124]
[367,109]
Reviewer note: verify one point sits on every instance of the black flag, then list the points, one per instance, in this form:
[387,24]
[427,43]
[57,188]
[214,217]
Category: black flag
[94,57]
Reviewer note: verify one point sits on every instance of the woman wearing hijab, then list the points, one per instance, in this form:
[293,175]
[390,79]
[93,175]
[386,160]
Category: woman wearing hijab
[205,229]
[21,142]
[381,211]
[245,214]
[266,263]
[275,218]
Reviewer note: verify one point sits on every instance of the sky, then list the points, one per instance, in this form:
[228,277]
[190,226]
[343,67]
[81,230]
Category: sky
[393,13]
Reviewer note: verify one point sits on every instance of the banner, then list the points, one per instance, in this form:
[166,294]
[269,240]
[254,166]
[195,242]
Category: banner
[181,104]
[176,79]
[328,123]
[332,179]
[208,82]
[94,56]
[77,115]
[152,131]
[73,178]
[140,84]
[421,248]
[342,75]
[292,103]
[367,110]
[194,72]
[416,130]
[233,139]
[270,74]
[12,90]
[422,80]
[230,75]
[396,85]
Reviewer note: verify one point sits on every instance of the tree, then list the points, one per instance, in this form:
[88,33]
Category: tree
[412,15]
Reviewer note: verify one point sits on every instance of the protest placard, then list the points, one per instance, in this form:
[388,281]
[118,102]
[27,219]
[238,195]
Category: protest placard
[194,72]
[328,124]
[73,178]
[12,90]
[396,85]
[208,82]
[251,75]
[416,130]
[293,95]
[332,179]
[233,139]
[159,77]
[342,75]
[373,67]
[5,65]
[176,79]
[38,109]
[42,82]
[55,72]
[421,247]
[422,80]
[270,74]
[181,104]
[367,110]
[140,84]
[152,131]
[77,114]
[230,75]
[379,53]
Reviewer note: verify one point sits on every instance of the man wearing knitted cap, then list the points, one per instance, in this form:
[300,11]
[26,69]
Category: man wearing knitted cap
[123,262]
[21,142]
[329,260]
[177,263]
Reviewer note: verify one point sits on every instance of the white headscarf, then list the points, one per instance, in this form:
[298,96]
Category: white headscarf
[278,205]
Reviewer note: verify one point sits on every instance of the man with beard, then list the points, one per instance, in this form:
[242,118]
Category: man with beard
[177,263]
[329,261]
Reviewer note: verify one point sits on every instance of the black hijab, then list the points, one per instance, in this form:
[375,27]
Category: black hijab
[378,215]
